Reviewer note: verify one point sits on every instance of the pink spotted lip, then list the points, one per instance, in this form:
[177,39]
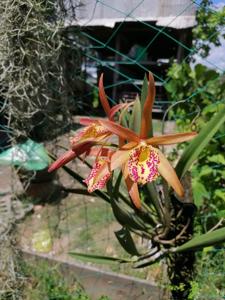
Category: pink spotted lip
[143,164]
[90,179]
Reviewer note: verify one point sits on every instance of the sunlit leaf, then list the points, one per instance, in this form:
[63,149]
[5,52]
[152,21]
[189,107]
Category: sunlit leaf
[204,240]
[193,150]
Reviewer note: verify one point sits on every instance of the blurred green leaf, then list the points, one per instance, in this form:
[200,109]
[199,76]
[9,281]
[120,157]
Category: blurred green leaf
[221,213]
[217,158]
[220,194]
[193,150]
[199,192]
[204,240]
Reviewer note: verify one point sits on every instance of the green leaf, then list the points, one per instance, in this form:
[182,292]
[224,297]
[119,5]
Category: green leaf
[153,195]
[135,119]
[144,92]
[221,213]
[100,259]
[204,240]
[199,192]
[204,171]
[127,218]
[193,150]
[126,241]
[220,194]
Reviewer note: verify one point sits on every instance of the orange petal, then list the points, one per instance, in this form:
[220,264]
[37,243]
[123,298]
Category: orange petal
[62,160]
[87,121]
[119,158]
[167,171]
[132,188]
[171,138]
[147,110]
[99,151]
[70,155]
[119,130]
[117,107]
[129,146]
[102,96]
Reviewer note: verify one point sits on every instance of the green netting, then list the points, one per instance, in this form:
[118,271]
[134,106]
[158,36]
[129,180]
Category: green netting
[85,223]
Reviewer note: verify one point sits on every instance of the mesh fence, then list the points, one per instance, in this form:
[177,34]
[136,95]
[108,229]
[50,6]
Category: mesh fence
[65,220]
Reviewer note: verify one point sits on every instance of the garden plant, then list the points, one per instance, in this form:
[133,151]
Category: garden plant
[149,197]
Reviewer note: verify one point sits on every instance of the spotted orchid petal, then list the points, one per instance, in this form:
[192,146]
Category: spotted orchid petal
[94,131]
[171,138]
[146,120]
[169,174]
[143,164]
[91,181]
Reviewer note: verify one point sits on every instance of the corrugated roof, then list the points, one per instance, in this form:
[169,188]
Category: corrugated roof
[170,13]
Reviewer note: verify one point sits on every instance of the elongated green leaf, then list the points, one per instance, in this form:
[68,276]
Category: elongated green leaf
[126,217]
[144,92]
[204,240]
[100,259]
[122,211]
[198,144]
[153,195]
[135,119]
[126,241]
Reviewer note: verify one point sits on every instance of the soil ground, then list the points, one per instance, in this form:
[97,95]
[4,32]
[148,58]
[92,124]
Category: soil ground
[62,222]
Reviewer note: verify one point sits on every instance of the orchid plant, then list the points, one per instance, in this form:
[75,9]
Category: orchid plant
[128,155]
[138,156]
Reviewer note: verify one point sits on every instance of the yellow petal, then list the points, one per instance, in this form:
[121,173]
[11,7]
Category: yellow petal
[169,174]
[171,138]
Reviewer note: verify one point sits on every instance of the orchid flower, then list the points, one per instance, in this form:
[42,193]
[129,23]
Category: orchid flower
[94,133]
[140,158]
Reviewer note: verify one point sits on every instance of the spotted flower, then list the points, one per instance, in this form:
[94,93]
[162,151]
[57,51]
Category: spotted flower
[93,134]
[91,183]
[139,157]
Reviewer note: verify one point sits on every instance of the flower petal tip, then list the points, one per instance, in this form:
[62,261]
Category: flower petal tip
[61,161]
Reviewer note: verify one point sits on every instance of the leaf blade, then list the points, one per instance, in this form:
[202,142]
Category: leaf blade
[198,144]
[204,240]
